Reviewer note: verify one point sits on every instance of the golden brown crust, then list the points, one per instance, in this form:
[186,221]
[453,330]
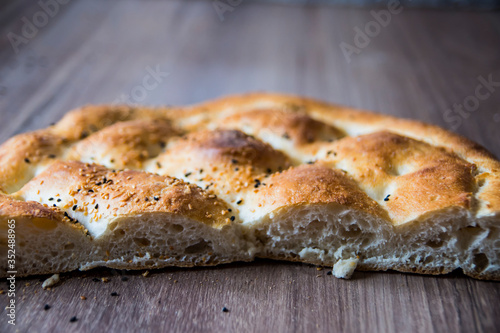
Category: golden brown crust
[22,154]
[80,123]
[297,126]
[315,184]
[407,176]
[12,208]
[354,123]
[125,144]
[98,192]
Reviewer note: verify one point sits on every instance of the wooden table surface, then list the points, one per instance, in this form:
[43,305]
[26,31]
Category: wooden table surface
[418,66]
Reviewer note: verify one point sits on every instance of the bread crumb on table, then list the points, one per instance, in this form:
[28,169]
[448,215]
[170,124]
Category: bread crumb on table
[344,268]
[51,281]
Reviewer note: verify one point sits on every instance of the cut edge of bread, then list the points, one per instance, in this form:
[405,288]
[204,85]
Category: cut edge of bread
[438,243]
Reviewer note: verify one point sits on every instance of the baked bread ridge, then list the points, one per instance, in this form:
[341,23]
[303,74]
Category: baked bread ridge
[381,192]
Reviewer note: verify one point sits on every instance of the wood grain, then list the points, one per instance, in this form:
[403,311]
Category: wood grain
[94,51]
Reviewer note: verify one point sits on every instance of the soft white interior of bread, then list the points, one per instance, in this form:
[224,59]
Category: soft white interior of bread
[143,241]
[440,243]
[318,234]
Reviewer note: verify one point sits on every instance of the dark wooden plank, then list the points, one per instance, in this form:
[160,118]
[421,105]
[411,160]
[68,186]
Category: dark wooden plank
[418,66]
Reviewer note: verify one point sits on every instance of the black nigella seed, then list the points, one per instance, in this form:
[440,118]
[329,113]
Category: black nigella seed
[233,218]
[73,319]
[114,293]
[96,206]
[27,160]
[269,170]
[387,197]
[201,170]
[156,198]
[239,202]
[234,161]
[46,307]
[124,278]
[52,156]
[54,205]
[158,164]
[329,273]
[229,210]
[91,191]
[50,199]
[74,207]
[146,199]
[187,174]
[224,309]
[59,200]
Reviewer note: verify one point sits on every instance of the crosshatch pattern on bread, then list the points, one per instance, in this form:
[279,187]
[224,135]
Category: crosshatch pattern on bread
[256,175]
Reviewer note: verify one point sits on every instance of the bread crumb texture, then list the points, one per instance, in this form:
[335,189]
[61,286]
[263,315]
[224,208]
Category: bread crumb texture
[255,175]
